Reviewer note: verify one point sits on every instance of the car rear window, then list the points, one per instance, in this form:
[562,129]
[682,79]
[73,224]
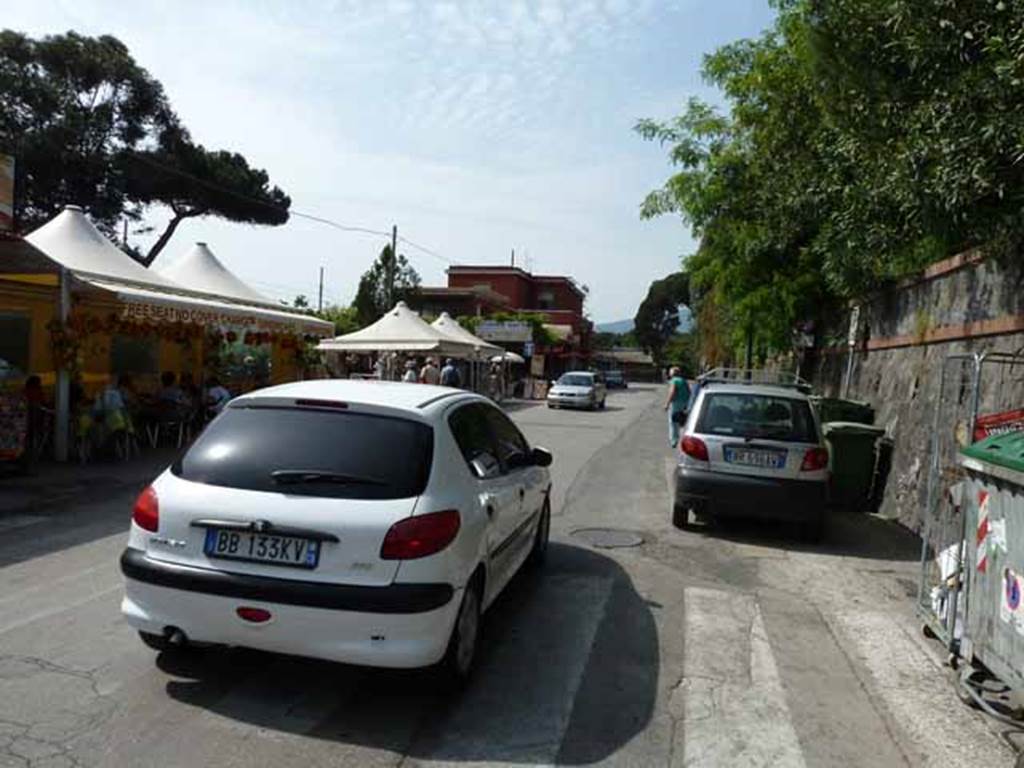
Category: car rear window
[757,416]
[314,452]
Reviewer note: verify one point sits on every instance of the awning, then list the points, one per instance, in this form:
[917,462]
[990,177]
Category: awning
[400,330]
[161,307]
[560,332]
[71,241]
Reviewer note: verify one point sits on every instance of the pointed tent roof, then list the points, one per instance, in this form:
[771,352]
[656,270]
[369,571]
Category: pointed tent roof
[199,270]
[446,324]
[400,330]
[70,239]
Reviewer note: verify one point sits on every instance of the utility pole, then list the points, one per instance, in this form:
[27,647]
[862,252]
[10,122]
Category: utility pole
[513,258]
[391,266]
[124,239]
[320,300]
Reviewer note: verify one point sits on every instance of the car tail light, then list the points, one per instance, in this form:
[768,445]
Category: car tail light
[420,536]
[146,512]
[815,459]
[694,447]
[254,615]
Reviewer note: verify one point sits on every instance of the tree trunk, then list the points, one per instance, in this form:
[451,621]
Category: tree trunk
[166,235]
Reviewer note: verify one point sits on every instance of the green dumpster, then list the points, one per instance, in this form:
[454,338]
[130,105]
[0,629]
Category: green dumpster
[993,500]
[851,448]
[840,409]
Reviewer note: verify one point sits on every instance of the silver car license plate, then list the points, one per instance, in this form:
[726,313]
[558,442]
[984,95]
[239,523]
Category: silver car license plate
[765,458]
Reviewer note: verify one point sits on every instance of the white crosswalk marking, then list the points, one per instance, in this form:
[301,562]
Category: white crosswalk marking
[731,701]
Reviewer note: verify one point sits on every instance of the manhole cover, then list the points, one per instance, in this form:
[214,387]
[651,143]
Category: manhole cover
[609,538]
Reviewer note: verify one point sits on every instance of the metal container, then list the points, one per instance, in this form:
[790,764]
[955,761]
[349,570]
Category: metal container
[992,497]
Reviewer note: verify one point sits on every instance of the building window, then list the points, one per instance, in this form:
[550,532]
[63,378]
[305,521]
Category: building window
[15,341]
[546,300]
[132,355]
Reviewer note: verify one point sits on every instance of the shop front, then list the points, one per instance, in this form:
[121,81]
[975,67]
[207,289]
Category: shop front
[77,315]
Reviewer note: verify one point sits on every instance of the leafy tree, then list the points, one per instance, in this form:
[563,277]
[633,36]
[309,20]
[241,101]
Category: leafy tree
[301,302]
[69,106]
[89,126]
[345,319]
[385,283]
[681,350]
[657,318]
[193,181]
[863,140]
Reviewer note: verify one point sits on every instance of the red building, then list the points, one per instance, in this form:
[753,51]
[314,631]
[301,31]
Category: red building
[485,290]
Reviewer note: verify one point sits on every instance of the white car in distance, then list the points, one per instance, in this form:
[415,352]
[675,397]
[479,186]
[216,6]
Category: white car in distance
[578,389]
[363,522]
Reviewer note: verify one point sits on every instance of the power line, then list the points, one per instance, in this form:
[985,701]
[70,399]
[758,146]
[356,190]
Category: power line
[283,209]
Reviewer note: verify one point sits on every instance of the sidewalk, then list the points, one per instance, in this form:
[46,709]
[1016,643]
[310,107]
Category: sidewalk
[53,484]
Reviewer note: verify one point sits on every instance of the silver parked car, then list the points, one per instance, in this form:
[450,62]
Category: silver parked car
[752,450]
[578,389]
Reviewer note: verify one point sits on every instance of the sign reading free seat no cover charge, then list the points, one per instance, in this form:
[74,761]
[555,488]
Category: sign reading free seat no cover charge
[504,330]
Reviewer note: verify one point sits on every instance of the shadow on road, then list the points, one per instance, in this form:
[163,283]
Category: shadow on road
[558,679]
[846,534]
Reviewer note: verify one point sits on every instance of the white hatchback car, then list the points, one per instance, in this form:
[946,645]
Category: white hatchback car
[363,522]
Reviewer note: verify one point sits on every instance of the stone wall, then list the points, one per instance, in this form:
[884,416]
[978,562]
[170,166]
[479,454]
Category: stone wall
[962,305]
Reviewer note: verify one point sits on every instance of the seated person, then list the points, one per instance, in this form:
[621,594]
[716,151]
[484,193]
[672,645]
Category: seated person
[217,396]
[170,393]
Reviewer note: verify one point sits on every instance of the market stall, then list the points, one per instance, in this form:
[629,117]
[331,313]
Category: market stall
[481,349]
[105,315]
[400,330]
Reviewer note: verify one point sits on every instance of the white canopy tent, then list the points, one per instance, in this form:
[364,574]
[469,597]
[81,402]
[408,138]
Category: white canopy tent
[446,324]
[71,240]
[200,270]
[400,330]
[87,260]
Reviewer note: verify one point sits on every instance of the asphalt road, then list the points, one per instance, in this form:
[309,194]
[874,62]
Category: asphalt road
[738,646]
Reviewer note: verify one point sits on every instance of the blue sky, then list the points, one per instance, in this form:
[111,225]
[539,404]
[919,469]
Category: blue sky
[476,127]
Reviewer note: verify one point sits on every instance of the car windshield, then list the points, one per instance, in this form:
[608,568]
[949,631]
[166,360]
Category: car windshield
[757,416]
[576,380]
[311,453]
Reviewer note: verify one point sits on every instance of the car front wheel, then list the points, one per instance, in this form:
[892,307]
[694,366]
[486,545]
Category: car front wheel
[539,551]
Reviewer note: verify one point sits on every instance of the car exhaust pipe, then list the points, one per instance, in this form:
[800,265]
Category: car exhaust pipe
[176,637]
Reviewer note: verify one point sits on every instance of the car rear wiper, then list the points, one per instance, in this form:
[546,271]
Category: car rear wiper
[296,476]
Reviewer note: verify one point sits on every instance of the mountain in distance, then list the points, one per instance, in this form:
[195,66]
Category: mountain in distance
[625,326]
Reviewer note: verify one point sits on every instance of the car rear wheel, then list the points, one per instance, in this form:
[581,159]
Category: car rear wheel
[457,665]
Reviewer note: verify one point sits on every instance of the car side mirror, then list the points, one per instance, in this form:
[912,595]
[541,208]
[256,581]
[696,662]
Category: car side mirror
[541,457]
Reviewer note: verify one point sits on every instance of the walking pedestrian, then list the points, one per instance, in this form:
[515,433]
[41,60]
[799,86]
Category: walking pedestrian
[410,376]
[676,403]
[450,374]
[429,373]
